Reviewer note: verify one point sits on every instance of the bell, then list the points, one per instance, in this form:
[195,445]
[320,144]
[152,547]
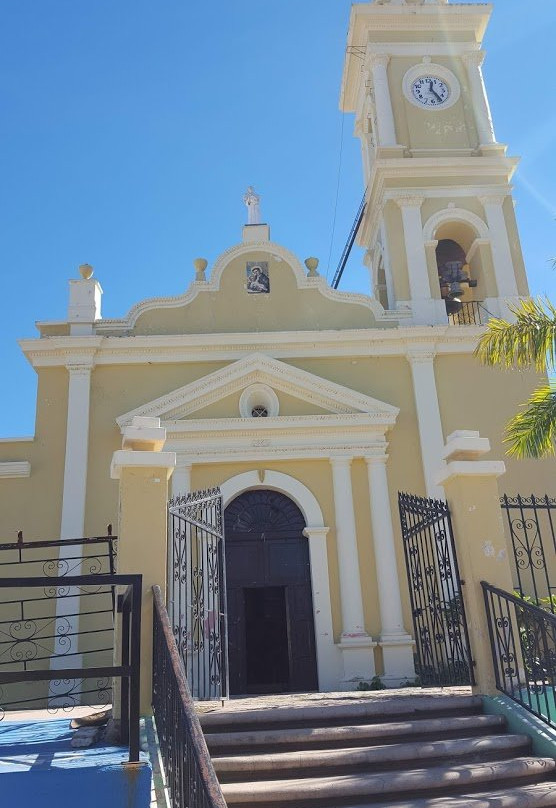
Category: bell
[453,305]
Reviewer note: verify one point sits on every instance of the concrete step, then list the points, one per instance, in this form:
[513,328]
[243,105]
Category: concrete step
[536,795]
[375,758]
[358,711]
[352,735]
[332,791]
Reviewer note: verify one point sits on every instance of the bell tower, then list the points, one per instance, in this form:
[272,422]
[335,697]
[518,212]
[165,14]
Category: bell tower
[439,226]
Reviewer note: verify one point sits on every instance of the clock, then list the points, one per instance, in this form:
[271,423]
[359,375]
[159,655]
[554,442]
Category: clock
[431,86]
[430,91]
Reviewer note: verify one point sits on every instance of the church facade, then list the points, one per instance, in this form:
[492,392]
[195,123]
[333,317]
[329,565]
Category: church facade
[309,407]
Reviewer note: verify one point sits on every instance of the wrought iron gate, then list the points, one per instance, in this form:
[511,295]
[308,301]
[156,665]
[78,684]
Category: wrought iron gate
[439,622]
[530,525]
[197,590]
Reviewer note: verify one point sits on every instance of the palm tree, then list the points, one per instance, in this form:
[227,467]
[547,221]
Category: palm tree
[529,342]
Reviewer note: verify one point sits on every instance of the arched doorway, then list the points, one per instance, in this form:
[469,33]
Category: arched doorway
[271,637]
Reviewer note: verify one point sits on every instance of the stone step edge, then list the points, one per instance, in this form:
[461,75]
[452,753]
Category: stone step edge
[309,735]
[355,756]
[391,705]
[390,783]
[532,795]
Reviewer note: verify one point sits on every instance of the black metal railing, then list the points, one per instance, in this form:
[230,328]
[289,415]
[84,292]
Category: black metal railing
[68,623]
[443,650]
[530,527]
[39,644]
[472,312]
[190,776]
[523,645]
[196,590]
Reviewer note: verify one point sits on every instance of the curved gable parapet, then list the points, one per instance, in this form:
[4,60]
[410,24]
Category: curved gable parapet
[222,304]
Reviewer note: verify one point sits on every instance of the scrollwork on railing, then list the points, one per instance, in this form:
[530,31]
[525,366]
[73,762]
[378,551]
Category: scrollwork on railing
[443,650]
[196,591]
[44,620]
[523,646]
[530,528]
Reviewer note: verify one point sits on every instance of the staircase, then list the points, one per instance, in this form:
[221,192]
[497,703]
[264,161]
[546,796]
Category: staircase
[413,751]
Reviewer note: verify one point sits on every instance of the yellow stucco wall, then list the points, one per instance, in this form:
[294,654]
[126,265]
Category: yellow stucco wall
[34,504]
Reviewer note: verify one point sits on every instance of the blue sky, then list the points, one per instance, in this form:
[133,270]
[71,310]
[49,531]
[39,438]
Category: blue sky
[130,129]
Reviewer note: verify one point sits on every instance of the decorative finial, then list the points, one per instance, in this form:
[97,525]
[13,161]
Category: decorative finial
[253,201]
[86,271]
[200,265]
[312,264]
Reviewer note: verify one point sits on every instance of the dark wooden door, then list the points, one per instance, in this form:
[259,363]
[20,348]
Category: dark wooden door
[271,635]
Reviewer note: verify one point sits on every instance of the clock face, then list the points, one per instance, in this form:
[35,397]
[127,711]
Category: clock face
[430,91]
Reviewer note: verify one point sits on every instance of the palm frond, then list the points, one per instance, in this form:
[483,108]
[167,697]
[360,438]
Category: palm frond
[529,341]
[532,432]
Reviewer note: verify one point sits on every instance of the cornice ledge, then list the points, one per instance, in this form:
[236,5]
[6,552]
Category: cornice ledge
[283,424]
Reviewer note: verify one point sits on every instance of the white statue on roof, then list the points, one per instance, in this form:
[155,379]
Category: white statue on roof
[253,201]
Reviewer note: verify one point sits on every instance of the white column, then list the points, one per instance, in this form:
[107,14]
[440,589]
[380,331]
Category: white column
[329,662]
[424,308]
[385,117]
[483,117]
[419,285]
[421,360]
[355,643]
[500,245]
[396,643]
[77,445]
[387,266]
[73,520]
[181,479]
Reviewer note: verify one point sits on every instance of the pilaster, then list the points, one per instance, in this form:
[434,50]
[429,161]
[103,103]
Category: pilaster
[378,63]
[181,478]
[425,310]
[421,361]
[73,508]
[77,443]
[483,118]
[327,653]
[396,643]
[500,245]
[355,643]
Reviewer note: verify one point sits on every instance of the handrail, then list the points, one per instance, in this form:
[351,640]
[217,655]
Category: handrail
[33,545]
[183,748]
[523,645]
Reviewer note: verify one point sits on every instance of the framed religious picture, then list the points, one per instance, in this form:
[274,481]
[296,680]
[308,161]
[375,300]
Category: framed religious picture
[258,282]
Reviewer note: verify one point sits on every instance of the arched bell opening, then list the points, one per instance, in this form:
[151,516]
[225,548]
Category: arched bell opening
[459,281]
[271,634]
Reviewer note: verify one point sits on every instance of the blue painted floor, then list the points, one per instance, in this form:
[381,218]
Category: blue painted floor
[38,767]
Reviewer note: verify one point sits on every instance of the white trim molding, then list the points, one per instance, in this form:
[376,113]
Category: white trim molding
[22,439]
[455,215]
[259,368]
[11,470]
[328,654]
[173,348]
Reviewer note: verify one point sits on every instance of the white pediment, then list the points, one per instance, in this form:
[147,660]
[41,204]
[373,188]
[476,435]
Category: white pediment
[259,368]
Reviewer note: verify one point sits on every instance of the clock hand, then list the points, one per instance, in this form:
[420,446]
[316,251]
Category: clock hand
[433,91]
